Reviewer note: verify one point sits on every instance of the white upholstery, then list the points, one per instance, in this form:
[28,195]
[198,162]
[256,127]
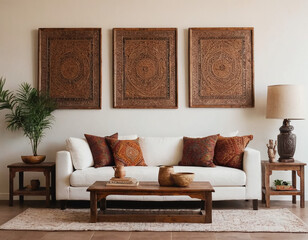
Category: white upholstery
[218,176]
[229,183]
[64,169]
[161,150]
[128,137]
[80,152]
[252,167]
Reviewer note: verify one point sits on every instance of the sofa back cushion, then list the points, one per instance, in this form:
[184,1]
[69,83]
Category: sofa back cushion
[161,150]
[80,152]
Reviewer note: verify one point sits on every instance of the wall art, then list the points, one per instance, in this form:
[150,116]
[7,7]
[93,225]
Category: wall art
[221,67]
[145,67]
[70,66]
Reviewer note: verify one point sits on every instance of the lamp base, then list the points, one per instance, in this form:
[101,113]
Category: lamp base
[286,160]
[286,142]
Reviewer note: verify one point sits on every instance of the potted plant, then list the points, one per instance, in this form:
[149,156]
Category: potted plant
[283,185]
[31,111]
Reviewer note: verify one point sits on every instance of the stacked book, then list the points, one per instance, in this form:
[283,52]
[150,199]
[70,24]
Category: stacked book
[122,182]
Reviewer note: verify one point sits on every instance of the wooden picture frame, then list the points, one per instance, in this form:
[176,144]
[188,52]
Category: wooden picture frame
[145,67]
[221,73]
[70,66]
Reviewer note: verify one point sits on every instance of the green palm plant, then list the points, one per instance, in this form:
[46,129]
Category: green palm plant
[30,110]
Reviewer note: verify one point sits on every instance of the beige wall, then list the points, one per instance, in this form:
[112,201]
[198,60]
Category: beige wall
[281,56]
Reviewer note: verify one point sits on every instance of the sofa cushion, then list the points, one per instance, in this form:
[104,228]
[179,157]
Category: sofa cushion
[198,151]
[80,152]
[229,151]
[161,150]
[218,176]
[101,153]
[126,152]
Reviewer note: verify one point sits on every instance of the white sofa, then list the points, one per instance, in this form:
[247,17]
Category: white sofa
[229,183]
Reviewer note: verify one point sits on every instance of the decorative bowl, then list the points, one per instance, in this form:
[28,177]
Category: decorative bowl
[33,159]
[183,179]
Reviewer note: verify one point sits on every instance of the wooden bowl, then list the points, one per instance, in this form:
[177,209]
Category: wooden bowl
[33,159]
[183,179]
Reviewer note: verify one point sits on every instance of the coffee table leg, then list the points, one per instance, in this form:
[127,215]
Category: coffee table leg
[208,207]
[93,206]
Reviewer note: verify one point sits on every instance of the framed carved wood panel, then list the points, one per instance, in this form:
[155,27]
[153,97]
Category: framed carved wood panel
[221,67]
[145,67]
[70,66]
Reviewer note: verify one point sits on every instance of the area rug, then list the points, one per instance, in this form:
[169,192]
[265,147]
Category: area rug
[264,220]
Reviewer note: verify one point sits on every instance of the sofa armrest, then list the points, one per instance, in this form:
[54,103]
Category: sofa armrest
[64,169]
[252,168]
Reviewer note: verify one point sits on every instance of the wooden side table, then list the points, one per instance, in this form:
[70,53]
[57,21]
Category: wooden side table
[48,168]
[296,167]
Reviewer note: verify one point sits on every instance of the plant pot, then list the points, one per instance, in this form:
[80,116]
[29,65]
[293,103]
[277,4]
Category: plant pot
[33,159]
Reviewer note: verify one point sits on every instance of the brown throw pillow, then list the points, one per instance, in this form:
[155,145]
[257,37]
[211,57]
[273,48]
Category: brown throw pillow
[101,153]
[198,151]
[126,152]
[229,151]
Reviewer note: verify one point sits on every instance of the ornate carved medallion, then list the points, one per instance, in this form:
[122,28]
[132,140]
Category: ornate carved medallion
[221,67]
[70,66]
[145,68]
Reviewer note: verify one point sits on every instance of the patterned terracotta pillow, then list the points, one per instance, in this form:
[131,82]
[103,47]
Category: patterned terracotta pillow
[101,153]
[229,151]
[126,152]
[198,151]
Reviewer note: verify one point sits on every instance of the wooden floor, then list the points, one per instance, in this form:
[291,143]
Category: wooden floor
[7,213]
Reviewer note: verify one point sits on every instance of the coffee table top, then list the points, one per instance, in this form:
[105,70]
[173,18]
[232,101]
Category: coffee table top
[152,187]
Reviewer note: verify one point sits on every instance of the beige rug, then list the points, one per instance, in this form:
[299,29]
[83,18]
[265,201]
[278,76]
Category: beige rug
[271,220]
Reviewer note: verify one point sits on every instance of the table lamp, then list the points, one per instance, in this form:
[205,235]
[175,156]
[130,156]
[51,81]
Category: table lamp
[286,102]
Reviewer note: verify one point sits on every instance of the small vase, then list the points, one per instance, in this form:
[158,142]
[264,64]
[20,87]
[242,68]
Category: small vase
[119,171]
[164,176]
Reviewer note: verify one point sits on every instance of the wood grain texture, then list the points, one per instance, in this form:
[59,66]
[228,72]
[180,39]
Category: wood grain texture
[145,67]
[221,67]
[49,171]
[296,167]
[201,190]
[70,66]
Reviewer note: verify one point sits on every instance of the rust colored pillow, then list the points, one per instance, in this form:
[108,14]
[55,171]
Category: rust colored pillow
[101,153]
[229,151]
[126,152]
[198,151]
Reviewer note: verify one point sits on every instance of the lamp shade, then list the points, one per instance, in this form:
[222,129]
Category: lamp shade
[285,102]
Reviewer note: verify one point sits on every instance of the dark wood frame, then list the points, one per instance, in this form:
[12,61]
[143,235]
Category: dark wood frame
[87,80]
[47,168]
[198,101]
[296,167]
[121,66]
[201,190]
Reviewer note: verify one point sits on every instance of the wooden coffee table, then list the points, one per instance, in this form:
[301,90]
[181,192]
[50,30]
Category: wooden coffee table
[201,190]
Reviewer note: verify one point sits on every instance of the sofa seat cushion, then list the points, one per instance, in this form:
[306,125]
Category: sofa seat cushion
[217,176]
